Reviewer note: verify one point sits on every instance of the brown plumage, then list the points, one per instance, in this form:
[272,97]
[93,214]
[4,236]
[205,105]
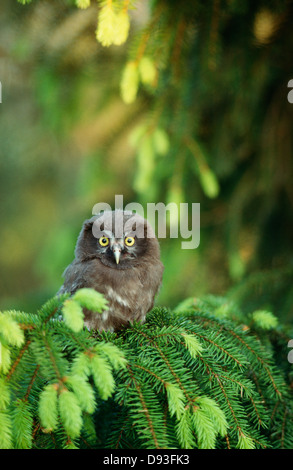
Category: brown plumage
[117,254]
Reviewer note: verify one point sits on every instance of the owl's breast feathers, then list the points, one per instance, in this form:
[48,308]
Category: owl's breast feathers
[130,292]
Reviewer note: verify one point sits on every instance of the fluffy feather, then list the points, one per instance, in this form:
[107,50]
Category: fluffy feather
[129,286]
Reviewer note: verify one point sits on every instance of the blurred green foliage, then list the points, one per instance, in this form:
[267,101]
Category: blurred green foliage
[192,108]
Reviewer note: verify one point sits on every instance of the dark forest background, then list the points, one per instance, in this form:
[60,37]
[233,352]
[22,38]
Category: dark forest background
[211,123]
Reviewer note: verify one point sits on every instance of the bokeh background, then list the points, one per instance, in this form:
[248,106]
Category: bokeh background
[210,123]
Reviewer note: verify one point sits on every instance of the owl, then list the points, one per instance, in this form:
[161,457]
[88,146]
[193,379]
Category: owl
[117,254]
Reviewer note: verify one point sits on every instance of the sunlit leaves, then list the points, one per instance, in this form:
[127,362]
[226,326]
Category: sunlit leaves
[113,25]
[136,71]
[150,144]
[72,308]
[147,70]
[175,400]
[264,319]
[73,314]
[10,332]
[129,82]
[10,335]
[5,430]
[193,345]
[22,422]
[83,3]
[48,407]
[90,299]
[245,442]
[70,412]
[122,28]
[83,391]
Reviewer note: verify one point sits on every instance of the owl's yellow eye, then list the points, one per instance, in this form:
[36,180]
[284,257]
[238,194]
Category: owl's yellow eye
[129,241]
[104,241]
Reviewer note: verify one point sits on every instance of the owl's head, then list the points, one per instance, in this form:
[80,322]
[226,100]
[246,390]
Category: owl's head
[120,239]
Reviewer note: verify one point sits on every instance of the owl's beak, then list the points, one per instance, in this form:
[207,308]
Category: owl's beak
[116,253]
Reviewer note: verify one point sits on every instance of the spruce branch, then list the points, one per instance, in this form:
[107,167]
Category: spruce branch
[190,379]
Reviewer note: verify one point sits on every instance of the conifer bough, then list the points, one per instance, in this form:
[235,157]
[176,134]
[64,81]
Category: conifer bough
[203,376]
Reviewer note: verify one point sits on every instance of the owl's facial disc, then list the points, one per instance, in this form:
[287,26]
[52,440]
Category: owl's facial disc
[116,250]
[120,250]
